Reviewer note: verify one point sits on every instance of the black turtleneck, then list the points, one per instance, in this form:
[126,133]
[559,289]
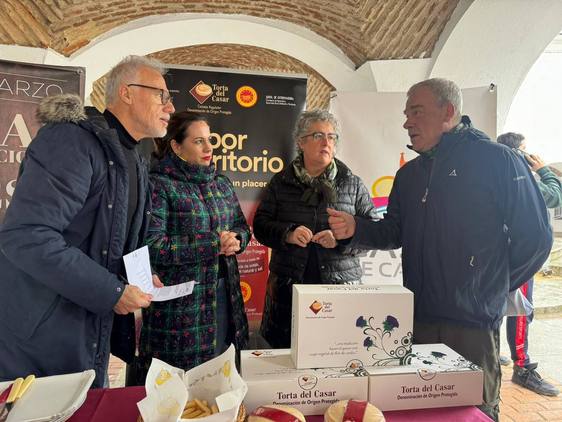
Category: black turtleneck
[128,145]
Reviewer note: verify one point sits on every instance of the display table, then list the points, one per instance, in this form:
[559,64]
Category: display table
[120,405]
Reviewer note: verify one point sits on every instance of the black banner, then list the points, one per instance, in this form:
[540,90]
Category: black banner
[22,86]
[252,117]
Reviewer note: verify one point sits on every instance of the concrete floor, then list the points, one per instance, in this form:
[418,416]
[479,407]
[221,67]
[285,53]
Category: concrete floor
[545,345]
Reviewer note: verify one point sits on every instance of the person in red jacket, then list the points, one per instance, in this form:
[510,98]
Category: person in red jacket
[524,371]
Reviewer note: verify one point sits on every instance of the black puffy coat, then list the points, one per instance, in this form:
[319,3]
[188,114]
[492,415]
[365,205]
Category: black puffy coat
[282,210]
[62,244]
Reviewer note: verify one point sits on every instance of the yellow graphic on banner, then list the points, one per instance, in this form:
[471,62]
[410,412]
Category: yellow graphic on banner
[382,186]
[246,96]
[246,291]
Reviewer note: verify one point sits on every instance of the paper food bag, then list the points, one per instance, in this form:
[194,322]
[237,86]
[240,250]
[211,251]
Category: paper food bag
[169,389]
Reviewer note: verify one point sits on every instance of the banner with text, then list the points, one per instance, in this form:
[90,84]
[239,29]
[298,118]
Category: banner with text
[22,86]
[374,147]
[252,118]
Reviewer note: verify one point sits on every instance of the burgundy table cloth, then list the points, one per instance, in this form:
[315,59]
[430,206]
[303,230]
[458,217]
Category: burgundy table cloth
[120,405]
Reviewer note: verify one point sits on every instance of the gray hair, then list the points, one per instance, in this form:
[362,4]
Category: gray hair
[445,91]
[511,139]
[306,118]
[125,71]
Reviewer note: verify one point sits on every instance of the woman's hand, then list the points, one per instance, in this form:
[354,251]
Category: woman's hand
[326,239]
[229,244]
[301,236]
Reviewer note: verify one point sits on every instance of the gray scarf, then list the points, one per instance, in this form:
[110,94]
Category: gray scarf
[319,187]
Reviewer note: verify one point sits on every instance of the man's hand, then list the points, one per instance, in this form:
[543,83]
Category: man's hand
[325,238]
[229,243]
[535,162]
[156,281]
[341,223]
[132,299]
[300,236]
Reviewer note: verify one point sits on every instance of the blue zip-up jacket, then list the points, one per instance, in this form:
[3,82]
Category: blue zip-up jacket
[472,225]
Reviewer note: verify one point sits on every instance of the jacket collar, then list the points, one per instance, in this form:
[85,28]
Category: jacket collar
[124,136]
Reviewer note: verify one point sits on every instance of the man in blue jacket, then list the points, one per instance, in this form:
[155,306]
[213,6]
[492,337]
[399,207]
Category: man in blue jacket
[471,223]
[81,202]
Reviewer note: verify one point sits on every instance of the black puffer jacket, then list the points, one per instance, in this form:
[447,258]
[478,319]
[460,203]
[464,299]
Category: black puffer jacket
[282,210]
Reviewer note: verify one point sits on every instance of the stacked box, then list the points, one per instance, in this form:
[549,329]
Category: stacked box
[272,379]
[336,325]
[435,376]
[355,342]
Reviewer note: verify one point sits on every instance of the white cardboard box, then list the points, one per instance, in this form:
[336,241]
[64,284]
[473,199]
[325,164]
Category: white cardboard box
[436,376]
[334,325]
[272,379]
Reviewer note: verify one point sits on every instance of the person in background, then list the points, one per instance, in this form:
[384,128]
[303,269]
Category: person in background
[524,371]
[81,202]
[471,223]
[197,228]
[292,220]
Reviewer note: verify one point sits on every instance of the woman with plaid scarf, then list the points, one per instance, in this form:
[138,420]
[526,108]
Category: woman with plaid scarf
[197,228]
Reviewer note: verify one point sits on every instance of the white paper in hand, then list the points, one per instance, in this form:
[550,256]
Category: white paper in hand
[137,267]
[172,292]
[139,273]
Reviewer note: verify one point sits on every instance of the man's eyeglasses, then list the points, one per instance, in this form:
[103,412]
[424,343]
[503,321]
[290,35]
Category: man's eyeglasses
[165,96]
[320,136]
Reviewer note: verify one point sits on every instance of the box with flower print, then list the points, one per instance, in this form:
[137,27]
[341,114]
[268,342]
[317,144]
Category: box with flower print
[338,325]
[434,376]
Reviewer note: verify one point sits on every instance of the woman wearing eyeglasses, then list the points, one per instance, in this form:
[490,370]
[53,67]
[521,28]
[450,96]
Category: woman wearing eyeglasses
[197,228]
[292,220]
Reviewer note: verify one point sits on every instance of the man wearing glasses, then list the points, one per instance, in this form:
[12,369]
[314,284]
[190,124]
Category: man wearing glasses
[81,202]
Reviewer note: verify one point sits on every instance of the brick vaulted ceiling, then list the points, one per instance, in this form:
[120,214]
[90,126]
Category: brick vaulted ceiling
[362,29]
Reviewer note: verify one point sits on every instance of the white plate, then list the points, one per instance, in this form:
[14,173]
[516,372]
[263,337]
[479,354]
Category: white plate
[53,398]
